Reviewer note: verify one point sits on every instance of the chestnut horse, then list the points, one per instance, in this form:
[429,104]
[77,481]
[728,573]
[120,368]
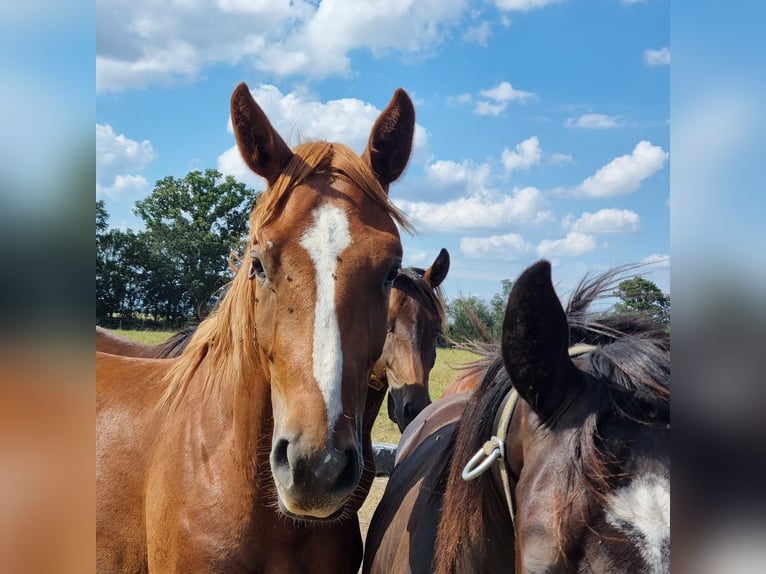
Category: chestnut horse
[470,376]
[245,454]
[108,341]
[554,464]
[416,316]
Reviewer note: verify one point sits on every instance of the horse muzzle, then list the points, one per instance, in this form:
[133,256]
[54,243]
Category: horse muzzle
[314,484]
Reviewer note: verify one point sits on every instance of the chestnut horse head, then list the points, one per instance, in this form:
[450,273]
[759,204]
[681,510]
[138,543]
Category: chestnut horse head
[416,316]
[305,315]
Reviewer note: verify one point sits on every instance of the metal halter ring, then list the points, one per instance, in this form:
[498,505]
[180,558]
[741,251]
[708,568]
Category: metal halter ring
[492,450]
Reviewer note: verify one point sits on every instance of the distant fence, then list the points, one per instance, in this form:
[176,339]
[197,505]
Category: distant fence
[136,324]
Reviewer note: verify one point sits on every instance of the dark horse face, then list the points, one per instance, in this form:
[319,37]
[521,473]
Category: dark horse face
[589,445]
[415,318]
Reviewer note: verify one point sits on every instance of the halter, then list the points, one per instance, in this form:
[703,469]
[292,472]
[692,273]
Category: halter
[376,383]
[494,449]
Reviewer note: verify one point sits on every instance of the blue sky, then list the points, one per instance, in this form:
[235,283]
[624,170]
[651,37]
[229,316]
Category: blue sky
[543,127]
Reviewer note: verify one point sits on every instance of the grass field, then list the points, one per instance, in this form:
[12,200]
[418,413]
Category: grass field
[447,361]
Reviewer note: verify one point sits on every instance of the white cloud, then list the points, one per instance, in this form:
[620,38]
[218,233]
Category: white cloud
[629,2]
[480,211]
[460,99]
[117,156]
[298,116]
[657,260]
[416,258]
[593,122]
[449,179]
[479,34]
[508,246]
[623,174]
[525,155]
[557,158]
[573,245]
[605,221]
[123,186]
[146,42]
[523,5]
[659,57]
[498,98]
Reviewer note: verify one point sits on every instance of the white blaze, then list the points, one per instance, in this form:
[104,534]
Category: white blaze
[643,508]
[324,241]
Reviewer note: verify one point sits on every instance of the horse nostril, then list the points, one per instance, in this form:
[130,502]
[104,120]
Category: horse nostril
[280,453]
[349,476]
[407,411]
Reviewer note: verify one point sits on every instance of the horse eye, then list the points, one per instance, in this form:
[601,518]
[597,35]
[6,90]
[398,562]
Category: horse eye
[393,272]
[256,269]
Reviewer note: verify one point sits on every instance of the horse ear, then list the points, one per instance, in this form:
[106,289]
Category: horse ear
[262,148]
[535,342]
[388,149]
[438,270]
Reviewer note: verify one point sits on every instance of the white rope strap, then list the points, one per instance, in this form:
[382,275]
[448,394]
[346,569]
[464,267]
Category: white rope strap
[494,449]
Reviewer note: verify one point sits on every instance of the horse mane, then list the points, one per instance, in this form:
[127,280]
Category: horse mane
[410,280]
[226,337]
[632,365]
[175,345]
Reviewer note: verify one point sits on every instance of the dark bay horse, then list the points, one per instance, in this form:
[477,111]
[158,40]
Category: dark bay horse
[245,454]
[569,456]
[416,316]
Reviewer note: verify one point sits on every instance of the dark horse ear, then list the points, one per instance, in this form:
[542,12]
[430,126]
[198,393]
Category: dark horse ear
[388,149]
[262,148]
[438,270]
[535,342]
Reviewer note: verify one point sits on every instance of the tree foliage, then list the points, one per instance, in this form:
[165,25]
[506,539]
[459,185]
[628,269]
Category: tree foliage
[472,319]
[174,268]
[642,296]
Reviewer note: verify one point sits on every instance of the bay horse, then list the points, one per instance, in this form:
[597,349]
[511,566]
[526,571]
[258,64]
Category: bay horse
[416,316]
[245,454]
[554,464]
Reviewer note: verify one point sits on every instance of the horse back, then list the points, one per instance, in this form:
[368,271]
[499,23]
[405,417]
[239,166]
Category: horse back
[403,529]
[127,391]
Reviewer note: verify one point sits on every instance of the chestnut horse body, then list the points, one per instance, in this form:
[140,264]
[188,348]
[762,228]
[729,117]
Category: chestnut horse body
[577,451]
[246,453]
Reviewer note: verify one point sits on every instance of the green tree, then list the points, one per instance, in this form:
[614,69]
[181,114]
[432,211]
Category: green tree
[192,224]
[642,296]
[470,319]
[120,257]
[497,305]
[102,218]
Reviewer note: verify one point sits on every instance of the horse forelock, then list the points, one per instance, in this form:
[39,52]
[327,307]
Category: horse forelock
[410,280]
[337,160]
